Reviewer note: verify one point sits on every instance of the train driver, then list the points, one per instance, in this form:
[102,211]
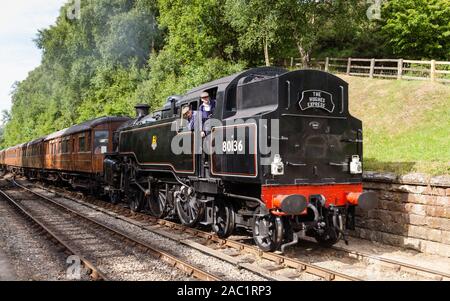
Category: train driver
[190,116]
[207,107]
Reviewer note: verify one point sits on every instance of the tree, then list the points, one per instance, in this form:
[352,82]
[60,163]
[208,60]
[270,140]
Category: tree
[200,46]
[304,20]
[279,24]
[354,35]
[6,117]
[418,28]
[90,67]
[196,29]
[256,22]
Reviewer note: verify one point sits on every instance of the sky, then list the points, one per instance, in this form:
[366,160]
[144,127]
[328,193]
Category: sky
[20,21]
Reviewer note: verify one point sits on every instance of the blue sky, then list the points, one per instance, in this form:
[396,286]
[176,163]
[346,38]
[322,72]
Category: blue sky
[19,22]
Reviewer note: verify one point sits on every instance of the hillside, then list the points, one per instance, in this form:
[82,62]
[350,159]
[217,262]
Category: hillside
[406,124]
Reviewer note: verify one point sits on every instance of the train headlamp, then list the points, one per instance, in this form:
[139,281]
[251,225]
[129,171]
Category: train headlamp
[356,165]
[277,166]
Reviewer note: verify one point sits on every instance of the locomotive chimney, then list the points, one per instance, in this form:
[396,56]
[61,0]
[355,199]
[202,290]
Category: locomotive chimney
[142,110]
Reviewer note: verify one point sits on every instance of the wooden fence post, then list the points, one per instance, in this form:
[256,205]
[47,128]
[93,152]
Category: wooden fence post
[327,64]
[372,67]
[349,65]
[433,71]
[400,69]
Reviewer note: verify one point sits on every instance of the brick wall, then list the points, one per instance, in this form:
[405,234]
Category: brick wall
[413,211]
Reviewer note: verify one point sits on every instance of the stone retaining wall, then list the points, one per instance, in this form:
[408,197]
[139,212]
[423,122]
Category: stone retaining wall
[413,211]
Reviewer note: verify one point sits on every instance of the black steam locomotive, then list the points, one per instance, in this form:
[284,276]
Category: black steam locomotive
[282,156]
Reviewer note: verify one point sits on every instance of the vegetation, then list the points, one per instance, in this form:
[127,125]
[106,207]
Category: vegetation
[123,52]
[418,28]
[412,132]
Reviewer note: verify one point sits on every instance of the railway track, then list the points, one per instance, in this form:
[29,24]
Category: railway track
[93,271]
[72,230]
[229,250]
[269,265]
[396,265]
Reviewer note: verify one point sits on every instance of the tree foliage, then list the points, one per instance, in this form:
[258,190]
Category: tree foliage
[418,28]
[90,67]
[123,52]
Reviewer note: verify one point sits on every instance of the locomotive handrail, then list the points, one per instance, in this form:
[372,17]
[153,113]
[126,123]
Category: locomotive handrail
[289,94]
[338,164]
[352,140]
[295,164]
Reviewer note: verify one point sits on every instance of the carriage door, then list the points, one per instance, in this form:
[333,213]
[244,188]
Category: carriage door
[101,142]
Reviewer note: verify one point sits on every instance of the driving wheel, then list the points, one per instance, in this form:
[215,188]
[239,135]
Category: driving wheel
[157,204]
[268,232]
[189,209]
[224,218]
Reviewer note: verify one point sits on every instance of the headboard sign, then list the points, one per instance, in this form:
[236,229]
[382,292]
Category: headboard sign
[317,99]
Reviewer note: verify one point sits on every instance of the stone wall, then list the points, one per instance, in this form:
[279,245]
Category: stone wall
[413,211]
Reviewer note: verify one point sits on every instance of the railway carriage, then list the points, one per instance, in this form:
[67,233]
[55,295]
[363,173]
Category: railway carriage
[74,155]
[13,158]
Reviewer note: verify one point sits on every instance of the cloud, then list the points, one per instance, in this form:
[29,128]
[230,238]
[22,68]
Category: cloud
[19,22]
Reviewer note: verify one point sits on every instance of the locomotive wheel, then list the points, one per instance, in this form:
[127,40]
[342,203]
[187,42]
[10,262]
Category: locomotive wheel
[224,218]
[189,210]
[268,232]
[157,204]
[136,202]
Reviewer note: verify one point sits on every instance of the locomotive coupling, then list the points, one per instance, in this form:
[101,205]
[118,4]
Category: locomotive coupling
[365,200]
[293,204]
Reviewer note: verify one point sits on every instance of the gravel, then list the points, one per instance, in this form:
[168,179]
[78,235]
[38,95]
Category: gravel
[338,261]
[211,264]
[26,255]
[111,256]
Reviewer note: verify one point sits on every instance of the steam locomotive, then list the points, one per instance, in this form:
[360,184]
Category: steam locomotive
[280,157]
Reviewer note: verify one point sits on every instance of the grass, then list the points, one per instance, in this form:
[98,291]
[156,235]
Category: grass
[406,124]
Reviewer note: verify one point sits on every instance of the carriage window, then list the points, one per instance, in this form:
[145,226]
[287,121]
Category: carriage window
[81,143]
[64,146]
[101,142]
[88,142]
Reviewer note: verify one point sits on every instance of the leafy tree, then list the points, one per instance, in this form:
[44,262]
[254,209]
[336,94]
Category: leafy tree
[256,22]
[305,20]
[126,51]
[354,35]
[200,46]
[418,28]
[90,67]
